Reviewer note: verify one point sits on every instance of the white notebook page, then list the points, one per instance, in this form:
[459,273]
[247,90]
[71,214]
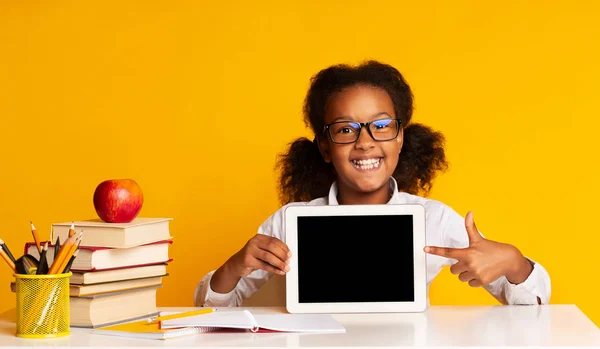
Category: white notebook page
[313,323]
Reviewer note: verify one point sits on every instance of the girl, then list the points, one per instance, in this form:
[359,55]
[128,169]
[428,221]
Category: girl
[366,151]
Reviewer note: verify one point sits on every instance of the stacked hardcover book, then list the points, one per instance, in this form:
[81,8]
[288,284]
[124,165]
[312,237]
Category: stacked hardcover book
[118,269]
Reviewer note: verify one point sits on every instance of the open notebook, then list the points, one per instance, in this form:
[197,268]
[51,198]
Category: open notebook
[241,320]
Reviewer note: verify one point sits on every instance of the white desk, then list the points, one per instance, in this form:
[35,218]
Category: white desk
[439,326]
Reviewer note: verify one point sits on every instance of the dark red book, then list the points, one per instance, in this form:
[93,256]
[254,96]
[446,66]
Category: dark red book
[91,258]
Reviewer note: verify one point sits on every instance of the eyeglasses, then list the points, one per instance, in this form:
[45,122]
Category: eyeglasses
[345,132]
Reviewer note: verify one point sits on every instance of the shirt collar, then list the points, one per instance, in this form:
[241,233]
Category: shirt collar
[393,185]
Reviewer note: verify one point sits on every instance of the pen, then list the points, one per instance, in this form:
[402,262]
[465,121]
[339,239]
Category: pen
[5,248]
[10,263]
[36,238]
[43,264]
[56,247]
[181,315]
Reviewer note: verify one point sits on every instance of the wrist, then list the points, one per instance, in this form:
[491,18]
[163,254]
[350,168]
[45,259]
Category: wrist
[224,279]
[229,268]
[520,270]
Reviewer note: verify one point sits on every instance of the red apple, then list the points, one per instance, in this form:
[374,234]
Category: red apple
[118,200]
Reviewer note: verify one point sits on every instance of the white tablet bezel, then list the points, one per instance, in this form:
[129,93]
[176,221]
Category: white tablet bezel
[417,211]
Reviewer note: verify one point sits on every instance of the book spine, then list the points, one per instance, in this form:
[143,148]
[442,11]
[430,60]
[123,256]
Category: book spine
[255,327]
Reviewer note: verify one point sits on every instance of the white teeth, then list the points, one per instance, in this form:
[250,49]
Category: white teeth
[366,164]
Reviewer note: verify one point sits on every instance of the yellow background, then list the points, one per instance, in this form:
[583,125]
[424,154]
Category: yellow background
[194,100]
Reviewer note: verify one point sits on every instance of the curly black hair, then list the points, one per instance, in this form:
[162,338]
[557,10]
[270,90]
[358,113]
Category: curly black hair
[304,173]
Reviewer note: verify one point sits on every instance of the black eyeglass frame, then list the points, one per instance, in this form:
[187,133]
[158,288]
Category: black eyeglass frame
[327,129]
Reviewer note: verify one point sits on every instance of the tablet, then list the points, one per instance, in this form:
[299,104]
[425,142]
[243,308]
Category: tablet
[356,259]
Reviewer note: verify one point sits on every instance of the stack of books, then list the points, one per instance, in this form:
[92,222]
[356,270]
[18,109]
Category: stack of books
[118,269]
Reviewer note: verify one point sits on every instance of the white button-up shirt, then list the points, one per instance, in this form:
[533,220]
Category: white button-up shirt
[444,227]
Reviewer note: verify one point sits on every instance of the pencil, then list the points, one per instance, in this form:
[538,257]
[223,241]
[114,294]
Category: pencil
[10,263]
[36,238]
[180,315]
[56,247]
[71,250]
[43,264]
[68,267]
[5,248]
[62,254]
[72,229]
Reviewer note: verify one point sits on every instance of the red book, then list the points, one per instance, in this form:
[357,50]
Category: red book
[91,258]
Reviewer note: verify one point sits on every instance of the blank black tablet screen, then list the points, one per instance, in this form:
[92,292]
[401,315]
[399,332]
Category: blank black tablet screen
[355,259]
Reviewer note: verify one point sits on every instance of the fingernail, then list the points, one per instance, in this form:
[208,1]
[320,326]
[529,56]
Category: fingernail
[287,268]
[426,249]
[289,253]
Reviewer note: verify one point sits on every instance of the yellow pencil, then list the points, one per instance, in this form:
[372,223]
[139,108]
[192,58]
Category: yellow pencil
[36,238]
[180,315]
[72,229]
[70,253]
[62,254]
[7,259]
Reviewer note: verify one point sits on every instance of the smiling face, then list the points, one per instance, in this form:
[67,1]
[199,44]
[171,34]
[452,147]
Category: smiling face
[364,167]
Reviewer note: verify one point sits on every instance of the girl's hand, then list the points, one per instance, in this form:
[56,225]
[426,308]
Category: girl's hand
[484,260]
[261,252]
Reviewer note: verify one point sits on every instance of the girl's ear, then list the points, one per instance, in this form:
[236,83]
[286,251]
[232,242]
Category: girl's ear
[323,148]
[400,140]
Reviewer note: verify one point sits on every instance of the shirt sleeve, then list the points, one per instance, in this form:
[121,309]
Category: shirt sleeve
[206,297]
[537,284]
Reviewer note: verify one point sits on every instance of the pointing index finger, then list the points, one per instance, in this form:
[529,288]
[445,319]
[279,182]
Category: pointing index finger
[448,252]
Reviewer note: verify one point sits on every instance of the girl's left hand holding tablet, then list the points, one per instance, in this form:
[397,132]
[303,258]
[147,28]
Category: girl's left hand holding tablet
[484,261]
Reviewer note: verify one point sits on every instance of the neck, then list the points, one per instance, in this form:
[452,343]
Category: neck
[347,196]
